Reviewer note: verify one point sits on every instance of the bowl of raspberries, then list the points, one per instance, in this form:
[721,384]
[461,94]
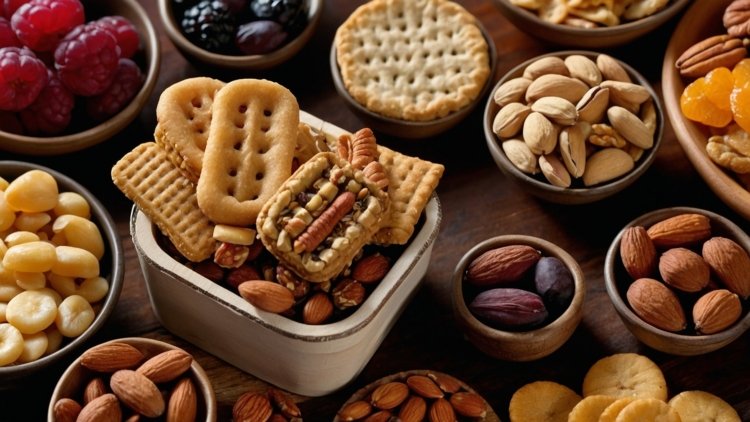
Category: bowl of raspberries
[72,72]
[240,34]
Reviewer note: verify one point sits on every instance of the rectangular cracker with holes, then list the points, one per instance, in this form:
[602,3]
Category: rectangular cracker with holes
[183,116]
[148,178]
[249,152]
[321,217]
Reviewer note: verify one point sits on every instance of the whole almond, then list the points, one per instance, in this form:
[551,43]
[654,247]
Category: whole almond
[559,110]
[134,418]
[545,65]
[371,269]
[509,120]
[104,408]
[446,382]
[684,270]
[94,389]
[680,230]
[653,302]
[317,309]
[389,395]
[66,410]
[111,357]
[539,133]
[584,69]
[252,407]
[630,127]
[442,411]
[511,91]
[267,295]
[626,94]
[520,155]
[379,416]
[637,252]
[716,310]
[505,264]
[469,404]
[730,262]
[348,293]
[137,392]
[605,165]
[413,410]
[166,366]
[648,115]
[284,402]
[611,69]
[355,410]
[183,402]
[424,386]
[553,85]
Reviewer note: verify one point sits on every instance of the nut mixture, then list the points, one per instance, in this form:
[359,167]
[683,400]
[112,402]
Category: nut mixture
[515,287]
[272,405]
[592,13]
[685,278]
[574,118]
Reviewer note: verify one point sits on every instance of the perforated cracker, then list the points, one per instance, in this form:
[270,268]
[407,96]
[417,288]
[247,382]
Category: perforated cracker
[411,182]
[147,177]
[183,116]
[412,59]
[249,151]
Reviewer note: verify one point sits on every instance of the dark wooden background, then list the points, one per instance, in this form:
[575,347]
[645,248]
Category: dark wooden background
[478,202]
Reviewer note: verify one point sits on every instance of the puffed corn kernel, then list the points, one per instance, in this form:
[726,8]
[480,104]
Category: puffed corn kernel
[33,191]
[11,344]
[54,294]
[7,215]
[30,257]
[92,289]
[31,311]
[234,235]
[81,233]
[54,340]
[8,287]
[34,346]
[74,316]
[31,221]
[18,237]
[72,203]
[74,262]
[30,281]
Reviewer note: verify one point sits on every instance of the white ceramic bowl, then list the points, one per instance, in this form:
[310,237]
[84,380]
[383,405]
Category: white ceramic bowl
[311,360]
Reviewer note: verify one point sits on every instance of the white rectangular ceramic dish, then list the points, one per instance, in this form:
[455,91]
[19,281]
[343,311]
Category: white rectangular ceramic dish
[304,359]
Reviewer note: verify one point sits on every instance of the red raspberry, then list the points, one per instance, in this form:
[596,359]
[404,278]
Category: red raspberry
[125,33]
[10,7]
[51,112]
[127,83]
[22,78]
[7,36]
[40,24]
[86,59]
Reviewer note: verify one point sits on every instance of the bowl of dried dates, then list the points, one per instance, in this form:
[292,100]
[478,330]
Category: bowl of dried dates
[706,98]
[133,378]
[518,297]
[240,34]
[75,72]
[573,127]
[677,278]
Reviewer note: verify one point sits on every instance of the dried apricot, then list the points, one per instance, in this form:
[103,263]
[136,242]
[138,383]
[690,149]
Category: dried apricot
[718,87]
[740,102]
[696,106]
[741,73]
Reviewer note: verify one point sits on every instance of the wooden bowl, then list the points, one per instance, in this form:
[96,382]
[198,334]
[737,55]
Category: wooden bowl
[518,345]
[365,392]
[537,185]
[199,55]
[112,267]
[406,128]
[593,38]
[701,20]
[148,59]
[74,379]
[617,280]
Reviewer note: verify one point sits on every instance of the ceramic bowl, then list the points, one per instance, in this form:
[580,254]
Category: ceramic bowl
[594,38]
[311,360]
[576,194]
[412,129]
[684,343]
[111,267]
[148,58]
[73,381]
[701,20]
[253,62]
[509,345]
[446,383]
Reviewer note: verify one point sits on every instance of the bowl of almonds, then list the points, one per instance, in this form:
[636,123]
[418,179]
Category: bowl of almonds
[573,127]
[133,378]
[517,297]
[677,278]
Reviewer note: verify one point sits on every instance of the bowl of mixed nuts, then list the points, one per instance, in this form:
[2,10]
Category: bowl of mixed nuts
[518,297]
[677,278]
[573,127]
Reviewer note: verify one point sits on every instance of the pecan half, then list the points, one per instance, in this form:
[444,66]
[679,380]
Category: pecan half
[736,18]
[704,56]
[322,226]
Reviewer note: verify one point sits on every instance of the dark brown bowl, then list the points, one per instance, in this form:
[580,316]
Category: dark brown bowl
[112,267]
[149,60]
[617,280]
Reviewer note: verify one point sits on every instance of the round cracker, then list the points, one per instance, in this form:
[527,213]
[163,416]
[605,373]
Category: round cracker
[610,413]
[625,374]
[542,401]
[700,406]
[590,408]
[648,410]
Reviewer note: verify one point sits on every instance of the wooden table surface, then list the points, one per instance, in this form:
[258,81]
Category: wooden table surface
[477,201]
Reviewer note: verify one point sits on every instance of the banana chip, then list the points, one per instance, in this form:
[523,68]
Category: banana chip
[648,410]
[625,374]
[590,408]
[542,401]
[610,413]
[699,406]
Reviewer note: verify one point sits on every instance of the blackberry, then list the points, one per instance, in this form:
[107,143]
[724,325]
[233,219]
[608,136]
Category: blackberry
[286,12]
[210,25]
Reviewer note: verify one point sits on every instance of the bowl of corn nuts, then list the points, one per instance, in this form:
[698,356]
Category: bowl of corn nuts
[61,268]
